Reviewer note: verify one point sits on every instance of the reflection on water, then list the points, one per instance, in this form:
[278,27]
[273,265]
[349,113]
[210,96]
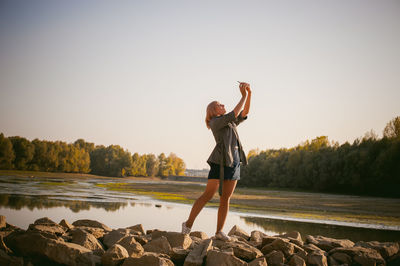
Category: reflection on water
[23,201]
[335,231]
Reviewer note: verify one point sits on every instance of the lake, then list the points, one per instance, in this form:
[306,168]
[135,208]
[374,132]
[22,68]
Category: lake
[23,200]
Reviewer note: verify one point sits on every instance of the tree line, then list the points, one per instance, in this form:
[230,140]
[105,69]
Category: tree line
[84,157]
[370,165]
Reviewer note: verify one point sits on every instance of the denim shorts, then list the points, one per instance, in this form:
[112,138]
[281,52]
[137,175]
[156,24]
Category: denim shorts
[230,173]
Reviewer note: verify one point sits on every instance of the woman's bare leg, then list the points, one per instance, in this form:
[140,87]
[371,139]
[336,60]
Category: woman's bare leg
[211,188]
[227,191]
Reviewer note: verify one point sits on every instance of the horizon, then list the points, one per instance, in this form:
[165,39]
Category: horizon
[140,75]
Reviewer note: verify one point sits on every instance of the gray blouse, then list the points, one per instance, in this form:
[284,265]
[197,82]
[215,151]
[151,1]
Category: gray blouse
[226,137]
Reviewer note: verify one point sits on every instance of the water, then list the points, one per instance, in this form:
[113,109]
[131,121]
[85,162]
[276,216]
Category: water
[23,200]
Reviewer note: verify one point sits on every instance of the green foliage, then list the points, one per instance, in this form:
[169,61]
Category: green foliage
[368,166]
[7,155]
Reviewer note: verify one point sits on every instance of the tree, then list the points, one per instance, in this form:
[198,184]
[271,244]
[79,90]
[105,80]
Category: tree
[392,129]
[7,155]
[24,151]
[151,165]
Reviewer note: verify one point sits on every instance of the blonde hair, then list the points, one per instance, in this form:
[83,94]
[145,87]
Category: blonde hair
[210,113]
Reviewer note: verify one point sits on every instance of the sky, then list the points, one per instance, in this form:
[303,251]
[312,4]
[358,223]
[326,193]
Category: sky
[140,74]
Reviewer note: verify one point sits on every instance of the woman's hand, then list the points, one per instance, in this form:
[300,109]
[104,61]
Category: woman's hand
[243,88]
[248,88]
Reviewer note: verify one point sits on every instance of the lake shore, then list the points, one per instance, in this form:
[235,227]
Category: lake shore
[296,205]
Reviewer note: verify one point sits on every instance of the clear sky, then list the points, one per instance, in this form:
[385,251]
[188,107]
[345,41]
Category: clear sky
[141,73]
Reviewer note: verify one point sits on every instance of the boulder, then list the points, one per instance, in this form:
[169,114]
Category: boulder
[341,258]
[199,234]
[257,236]
[360,254]
[158,245]
[34,244]
[96,232]
[178,255]
[114,255]
[197,255]
[268,240]
[296,260]
[275,258]
[2,221]
[137,228]
[279,244]
[87,240]
[258,262]
[55,229]
[3,246]
[149,259]
[302,254]
[66,225]
[134,248]
[45,221]
[327,243]
[143,240]
[317,258]
[176,240]
[220,258]
[243,250]
[6,259]
[237,231]
[110,238]
[91,223]
[386,249]
[311,248]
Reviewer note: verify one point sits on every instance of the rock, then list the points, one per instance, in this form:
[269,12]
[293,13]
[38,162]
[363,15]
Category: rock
[178,255]
[317,258]
[327,243]
[143,240]
[179,240]
[279,244]
[311,248]
[96,232]
[110,238]
[258,262]
[296,261]
[360,254]
[66,225]
[386,249]
[149,259]
[114,255]
[197,255]
[176,240]
[341,258]
[199,234]
[237,231]
[91,223]
[45,221]
[34,244]
[219,258]
[275,258]
[55,229]
[2,221]
[6,259]
[302,254]
[158,245]
[195,241]
[292,235]
[4,247]
[137,228]
[257,236]
[217,242]
[87,240]
[134,248]
[268,240]
[243,250]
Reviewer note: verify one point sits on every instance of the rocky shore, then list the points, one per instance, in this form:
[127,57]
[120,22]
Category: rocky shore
[89,242]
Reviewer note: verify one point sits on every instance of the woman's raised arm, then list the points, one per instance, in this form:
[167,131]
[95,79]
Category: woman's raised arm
[248,100]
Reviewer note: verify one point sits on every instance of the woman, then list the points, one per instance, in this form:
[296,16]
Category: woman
[224,160]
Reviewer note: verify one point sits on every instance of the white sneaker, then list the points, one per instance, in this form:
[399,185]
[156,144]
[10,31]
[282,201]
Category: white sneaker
[221,236]
[185,229]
